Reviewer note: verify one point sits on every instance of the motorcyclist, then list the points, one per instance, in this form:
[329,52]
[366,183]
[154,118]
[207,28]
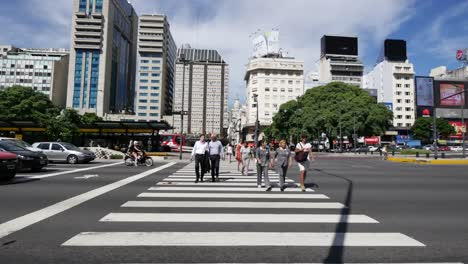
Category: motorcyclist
[136,151]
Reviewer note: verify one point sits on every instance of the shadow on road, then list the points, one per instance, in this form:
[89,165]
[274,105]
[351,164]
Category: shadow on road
[336,253]
[18,180]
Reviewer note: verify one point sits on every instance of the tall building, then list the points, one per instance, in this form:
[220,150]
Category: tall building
[44,70]
[205,81]
[102,57]
[156,68]
[441,72]
[393,77]
[339,61]
[275,81]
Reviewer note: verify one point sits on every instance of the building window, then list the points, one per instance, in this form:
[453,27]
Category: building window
[154,107]
[144,61]
[143,94]
[82,6]
[267,113]
[267,81]
[143,87]
[398,93]
[141,114]
[398,85]
[155,68]
[156,61]
[154,114]
[408,124]
[144,68]
[144,81]
[408,101]
[408,109]
[407,93]
[154,94]
[407,86]
[290,90]
[155,74]
[399,124]
[154,101]
[398,100]
[408,117]
[399,117]
[154,87]
[142,107]
[283,90]
[144,74]
[154,81]
[99,6]
[143,101]
[275,89]
[267,89]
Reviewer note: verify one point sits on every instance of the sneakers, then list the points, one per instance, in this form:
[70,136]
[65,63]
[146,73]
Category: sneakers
[303,189]
[269,188]
[282,189]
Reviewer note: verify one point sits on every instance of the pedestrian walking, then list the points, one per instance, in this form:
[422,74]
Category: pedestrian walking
[246,156]
[229,151]
[263,160]
[216,151]
[198,154]
[303,157]
[282,162]
[385,153]
[238,155]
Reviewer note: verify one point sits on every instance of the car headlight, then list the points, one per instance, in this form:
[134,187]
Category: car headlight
[21,157]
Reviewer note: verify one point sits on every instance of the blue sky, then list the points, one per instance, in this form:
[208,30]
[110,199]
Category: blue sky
[433,29]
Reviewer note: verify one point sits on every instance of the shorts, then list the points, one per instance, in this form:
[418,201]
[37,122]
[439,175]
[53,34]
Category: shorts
[304,166]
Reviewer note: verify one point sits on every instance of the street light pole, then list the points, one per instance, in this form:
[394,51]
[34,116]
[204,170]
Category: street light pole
[255,97]
[354,132]
[182,58]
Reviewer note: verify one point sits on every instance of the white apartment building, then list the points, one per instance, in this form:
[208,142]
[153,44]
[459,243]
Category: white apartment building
[102,57]
[44,70]
[441,72]
[339,61]
[206,91]
[393,77]
[156,67]
[275,81]
[394,82]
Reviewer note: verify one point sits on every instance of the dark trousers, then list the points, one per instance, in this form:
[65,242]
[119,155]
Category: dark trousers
[199,165]
[214,166]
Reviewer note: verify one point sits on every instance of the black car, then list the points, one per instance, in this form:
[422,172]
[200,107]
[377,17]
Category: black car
[26,159]
[8,162]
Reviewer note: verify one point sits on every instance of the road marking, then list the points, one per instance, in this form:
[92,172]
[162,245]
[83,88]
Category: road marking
[87,176]
[227,180]
[210,204]
[210,239]
[235,195]
[209,183]
[74,171]
[237,218]
[224,189]
[24,221]
[220,176]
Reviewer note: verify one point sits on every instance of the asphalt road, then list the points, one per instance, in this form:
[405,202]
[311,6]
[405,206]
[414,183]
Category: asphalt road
[356,210]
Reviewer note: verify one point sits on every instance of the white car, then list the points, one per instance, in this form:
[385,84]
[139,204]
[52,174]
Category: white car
[456,148]
[374,148]
[21,143]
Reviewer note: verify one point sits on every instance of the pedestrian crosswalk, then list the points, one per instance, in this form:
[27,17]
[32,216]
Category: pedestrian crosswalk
[235,202]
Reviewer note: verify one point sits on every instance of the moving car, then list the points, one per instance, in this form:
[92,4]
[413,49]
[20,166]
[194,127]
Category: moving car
[374,148]
[8,164]
[62,151]
[26,159]
[22,143]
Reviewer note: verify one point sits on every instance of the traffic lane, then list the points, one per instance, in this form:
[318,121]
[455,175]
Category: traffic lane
[61,167]
[420,201]
[36,194]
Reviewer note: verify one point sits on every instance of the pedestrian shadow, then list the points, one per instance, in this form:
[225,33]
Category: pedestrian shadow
[336,253]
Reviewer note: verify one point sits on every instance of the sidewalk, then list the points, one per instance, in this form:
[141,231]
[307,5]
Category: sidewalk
[459,161]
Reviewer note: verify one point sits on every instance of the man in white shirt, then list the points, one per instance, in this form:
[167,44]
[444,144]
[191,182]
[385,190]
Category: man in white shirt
[216,150]
[198,153]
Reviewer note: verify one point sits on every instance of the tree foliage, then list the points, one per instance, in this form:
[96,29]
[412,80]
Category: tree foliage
[322,110]
[423,130]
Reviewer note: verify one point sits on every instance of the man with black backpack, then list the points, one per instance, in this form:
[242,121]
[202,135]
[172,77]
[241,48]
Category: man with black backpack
[303,157]
[216,151]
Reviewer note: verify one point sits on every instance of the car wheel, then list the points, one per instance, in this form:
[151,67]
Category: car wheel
[8,176]
[72,159]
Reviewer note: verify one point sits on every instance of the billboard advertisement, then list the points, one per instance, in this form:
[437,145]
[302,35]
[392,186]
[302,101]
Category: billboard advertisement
[424,111]
[459,129]
[389,106]
[266,43]
[424,91]
[449,92]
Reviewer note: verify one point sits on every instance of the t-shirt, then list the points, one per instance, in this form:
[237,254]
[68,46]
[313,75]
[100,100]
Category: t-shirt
[307,147]
[245,152]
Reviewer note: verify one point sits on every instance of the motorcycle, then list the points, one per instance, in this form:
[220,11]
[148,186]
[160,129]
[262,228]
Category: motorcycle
[143,160]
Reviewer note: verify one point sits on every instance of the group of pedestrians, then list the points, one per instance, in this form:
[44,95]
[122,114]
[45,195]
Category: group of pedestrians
[207,156]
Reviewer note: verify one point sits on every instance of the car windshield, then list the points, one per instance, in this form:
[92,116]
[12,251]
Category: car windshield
[20,143]
[11,146]
[70,146]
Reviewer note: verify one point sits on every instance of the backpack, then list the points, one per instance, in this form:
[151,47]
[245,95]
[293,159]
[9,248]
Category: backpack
[301,156]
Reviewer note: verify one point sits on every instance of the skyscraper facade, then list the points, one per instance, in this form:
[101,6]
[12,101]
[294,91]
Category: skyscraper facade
[102,57]
[156,68]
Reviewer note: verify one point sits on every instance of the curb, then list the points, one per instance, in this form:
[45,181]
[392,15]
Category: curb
[433,162]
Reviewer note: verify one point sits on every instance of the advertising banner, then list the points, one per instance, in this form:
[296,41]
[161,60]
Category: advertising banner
[450,89]
[424,111]
[424,91]
[266,43]
[459,129]
[259,46]
[372,140]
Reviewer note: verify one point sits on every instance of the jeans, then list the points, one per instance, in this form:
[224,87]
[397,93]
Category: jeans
[199,162]
[262,170]
[282,170]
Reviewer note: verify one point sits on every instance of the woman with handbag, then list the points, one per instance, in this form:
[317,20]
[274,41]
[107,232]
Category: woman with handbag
[303,157]
[282,162]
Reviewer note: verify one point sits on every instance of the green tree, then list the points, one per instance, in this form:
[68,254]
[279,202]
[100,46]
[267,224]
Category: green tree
[18,103]
[329,107]
[422,129]
[64,126]
[90,118]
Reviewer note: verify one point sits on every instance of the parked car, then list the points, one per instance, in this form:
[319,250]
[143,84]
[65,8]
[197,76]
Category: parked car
[22,143]
[26,159]
[444,148]
[8,165]
[62,151]
[429,147]
[374,148]
[456,148]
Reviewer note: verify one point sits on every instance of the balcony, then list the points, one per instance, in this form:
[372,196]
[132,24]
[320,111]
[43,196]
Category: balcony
[89,21]
[97,27]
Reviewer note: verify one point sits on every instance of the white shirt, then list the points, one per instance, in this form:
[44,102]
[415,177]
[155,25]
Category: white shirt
[200,148]
[307,148]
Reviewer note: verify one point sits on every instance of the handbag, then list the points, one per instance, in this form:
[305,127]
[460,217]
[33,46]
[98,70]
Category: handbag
[301,156]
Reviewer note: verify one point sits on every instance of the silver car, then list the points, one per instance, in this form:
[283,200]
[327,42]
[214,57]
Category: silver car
[62,151]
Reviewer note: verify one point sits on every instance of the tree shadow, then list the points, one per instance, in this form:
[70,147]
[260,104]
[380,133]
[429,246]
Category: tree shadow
[18,180]
[336,253]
